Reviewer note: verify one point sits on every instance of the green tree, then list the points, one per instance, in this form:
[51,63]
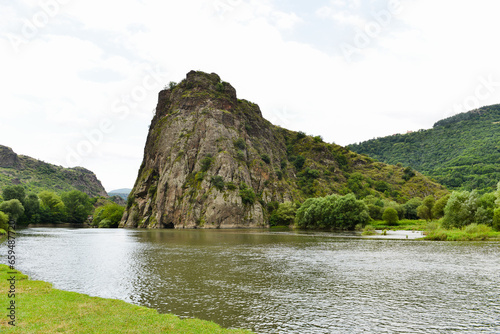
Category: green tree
[14,192]
[460,209]
[4,221]
[108,215]
[247,194]
[77,205]
[438,209]
[411,207]
[496,219]
[51,207]
[13,208]
[284,215]
[32,209]
[334,212]
[390,216]
[424,211]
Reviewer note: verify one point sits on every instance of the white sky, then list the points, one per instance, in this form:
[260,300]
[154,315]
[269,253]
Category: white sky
[79,79]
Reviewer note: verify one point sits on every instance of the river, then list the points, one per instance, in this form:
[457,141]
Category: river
[277,281]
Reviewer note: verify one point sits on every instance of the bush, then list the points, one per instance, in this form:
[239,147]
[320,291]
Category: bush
[218,182]
[300,135]
[299,162]
[334,212]
[390,216]
[111,213]
[230,186]
[318,139]
[240,144]
[240,155]
[266,158]
[206,162]
[247,194]
[369,230]
[496,219]
[284,215]
[172,85]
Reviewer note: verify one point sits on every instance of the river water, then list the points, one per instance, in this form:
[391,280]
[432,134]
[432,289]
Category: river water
[277,282]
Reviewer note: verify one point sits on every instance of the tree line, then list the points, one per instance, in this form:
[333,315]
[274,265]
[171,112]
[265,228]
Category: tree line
[48,207]
[456,210]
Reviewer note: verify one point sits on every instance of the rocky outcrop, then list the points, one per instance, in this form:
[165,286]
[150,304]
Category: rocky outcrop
[8,159]
[39,175]
[212,161]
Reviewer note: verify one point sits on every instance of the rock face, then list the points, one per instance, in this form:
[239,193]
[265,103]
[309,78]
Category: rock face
[212,161]
[19,169]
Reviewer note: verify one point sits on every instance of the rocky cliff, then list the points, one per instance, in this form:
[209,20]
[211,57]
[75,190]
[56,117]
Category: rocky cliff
[37,175]
[212,161]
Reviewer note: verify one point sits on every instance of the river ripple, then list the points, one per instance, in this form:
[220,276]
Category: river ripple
[277,282]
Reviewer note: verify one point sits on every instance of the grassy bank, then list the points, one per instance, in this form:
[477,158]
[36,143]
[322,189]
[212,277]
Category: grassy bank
[403,224]
[473,232]
[43,309]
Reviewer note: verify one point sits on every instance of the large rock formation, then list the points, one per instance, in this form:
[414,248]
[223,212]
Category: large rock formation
[212,161]
[38,175]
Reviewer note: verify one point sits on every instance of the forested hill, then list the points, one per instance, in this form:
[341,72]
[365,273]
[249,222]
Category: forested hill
[36,176]
[461,152]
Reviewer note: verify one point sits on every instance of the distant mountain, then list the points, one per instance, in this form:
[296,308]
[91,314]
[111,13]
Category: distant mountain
[123,193]
[36,175]
[461,152]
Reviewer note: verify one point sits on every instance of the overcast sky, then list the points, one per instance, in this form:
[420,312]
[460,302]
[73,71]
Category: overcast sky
[80,79]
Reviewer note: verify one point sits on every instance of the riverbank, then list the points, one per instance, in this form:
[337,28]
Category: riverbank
[39,308]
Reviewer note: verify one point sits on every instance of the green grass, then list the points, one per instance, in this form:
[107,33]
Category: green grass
[43,309]
[404,224]
[473,232]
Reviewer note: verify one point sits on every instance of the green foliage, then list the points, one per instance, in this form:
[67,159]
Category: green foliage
[172,85]
[247,194]
[461,209]
[424,211]
[13,208]
[230,186]
[220,87]
[300,135]
[14,192]
[4,221]
[31,209]
[299,162]
[206,162]
[369,230]
[334,212]
[266,158]
[318,139]
[438,209]
[109,215]
[77,205]
[51,207]
[240,155]
[390,216]
[284,215]
[375,211]
[217,182]
[240,144]
[461,152]
[408,173]
[496,219]
[411,207]
[382,186]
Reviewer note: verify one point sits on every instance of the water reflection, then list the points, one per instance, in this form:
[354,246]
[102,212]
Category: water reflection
[278,281]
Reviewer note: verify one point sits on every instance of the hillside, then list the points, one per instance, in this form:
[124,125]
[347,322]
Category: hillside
[36,175]
[461,152]
[123,193]
[211,160]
